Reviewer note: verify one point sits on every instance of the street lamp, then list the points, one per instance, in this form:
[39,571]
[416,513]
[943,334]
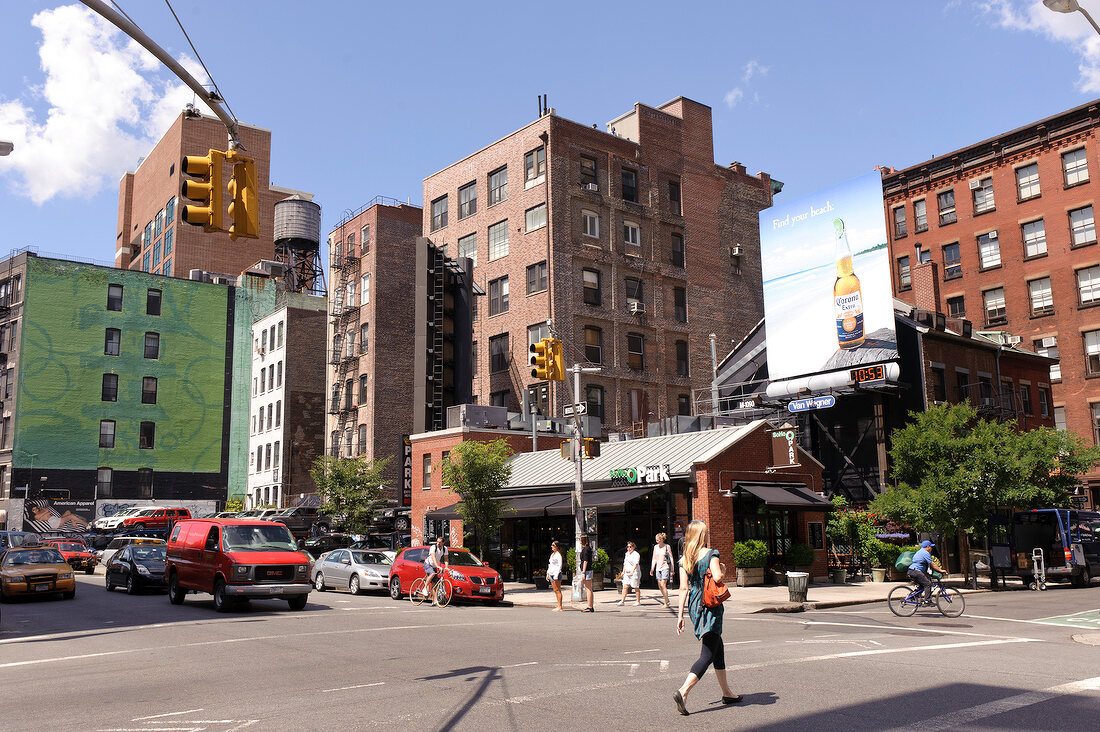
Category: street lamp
[1070,6]
[6,147]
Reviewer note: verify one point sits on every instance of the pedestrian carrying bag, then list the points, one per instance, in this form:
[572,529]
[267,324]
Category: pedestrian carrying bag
[714,592]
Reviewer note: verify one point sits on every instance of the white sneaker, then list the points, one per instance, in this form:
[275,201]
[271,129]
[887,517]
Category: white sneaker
[637,604]
[619,603]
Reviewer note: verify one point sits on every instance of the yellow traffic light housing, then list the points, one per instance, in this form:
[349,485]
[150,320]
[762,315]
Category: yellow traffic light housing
[591,447]
[207,190]
[566,449]
[244,214]
[542,359]
[557,361]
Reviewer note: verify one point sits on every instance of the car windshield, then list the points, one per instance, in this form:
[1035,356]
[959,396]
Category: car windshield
[124,512]
[269,537]
[370,558]
[70,547]
[462,559]
[19,539]
[149,553]
[33,556]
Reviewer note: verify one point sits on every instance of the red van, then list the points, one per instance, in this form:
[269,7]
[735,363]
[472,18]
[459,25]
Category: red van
[235,560]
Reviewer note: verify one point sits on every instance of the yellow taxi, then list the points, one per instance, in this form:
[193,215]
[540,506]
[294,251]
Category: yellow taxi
[35,570]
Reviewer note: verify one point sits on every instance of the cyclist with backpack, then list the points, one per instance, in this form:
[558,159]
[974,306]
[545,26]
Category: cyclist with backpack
[918,569]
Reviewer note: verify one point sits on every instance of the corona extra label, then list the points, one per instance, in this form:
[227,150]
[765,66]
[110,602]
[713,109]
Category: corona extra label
[847,297]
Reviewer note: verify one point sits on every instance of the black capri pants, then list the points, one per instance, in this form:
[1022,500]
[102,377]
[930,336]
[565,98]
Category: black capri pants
[713,652]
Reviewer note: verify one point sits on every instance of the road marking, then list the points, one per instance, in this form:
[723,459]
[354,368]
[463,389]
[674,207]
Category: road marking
[937,631]
[169,714]
[1081,612]
[358,686]
[633,669]
[664,667]
[741,643]
[517,665]
[953,720]
[647,650]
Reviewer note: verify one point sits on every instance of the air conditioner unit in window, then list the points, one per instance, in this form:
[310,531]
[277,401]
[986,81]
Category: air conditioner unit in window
[1012,340]
[736,251]
[992,234]
[592,187]
[636,306]
[1050,341]
[975,184]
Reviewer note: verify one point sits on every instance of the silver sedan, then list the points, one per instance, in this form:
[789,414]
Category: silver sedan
[354,570]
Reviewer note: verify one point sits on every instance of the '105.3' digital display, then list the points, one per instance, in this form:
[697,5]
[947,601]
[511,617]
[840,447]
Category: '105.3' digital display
[868,373]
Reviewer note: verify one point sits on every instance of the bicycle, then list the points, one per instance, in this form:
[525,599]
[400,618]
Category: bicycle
[444,590]
[904,601]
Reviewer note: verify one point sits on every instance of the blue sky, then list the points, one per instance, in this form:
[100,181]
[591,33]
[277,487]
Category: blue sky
[368,98]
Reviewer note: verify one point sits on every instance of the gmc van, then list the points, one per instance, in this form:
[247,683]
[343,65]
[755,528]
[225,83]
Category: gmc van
[235,560]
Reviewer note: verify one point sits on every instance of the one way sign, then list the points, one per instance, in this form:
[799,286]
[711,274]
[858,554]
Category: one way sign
[580,409]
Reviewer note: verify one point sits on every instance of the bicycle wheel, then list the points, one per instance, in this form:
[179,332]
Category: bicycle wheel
[950,602]
[444,590]
[901,602]
[416,592]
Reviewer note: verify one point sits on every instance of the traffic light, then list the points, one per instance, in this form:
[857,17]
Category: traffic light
[557,361]
[244,214]
[591,447]
[542,359]
[566,448]
[207,190]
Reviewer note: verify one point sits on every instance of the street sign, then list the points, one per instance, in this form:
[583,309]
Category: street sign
[805,405]
[580,409]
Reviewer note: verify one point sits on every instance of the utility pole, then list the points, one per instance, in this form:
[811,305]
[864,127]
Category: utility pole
[578,474]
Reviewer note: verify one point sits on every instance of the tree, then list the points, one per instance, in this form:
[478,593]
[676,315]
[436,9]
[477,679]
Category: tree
[350,488]
[477,471]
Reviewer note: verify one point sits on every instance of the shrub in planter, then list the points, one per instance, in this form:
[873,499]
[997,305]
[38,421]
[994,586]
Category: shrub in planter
[599,563]
[750,554]
[801,555]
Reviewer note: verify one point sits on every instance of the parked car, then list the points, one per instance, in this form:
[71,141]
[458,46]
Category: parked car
[236,559]
[112,522]
[258,513]
[75,552]
[30,570]
[301,520]
[391,541]
[354,570]
[137,567]
[326,543]
[155,518]
[10,539]
[117,543]
[472,578]
[226,514]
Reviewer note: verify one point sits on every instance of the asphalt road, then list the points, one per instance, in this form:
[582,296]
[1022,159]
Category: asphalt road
[108,661]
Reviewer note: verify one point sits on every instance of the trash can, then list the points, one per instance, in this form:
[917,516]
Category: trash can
[797,584]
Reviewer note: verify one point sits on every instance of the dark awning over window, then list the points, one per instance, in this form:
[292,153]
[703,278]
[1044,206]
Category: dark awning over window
[789,495]
[555,504]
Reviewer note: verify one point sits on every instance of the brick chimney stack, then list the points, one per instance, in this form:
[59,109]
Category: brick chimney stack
[926,287]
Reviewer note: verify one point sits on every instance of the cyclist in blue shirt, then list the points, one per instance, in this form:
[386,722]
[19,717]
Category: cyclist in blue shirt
[918,569]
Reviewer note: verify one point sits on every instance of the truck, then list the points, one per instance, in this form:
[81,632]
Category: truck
[1069,540]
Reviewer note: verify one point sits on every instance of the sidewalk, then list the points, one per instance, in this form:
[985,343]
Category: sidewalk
[767,599]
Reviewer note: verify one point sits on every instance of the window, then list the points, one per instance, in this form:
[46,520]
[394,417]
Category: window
[593,397]
[939,384]
[590,224]
[593,344]
[675,205]
[591,282]
[985,389]
[1027,181]
[500,399]
[536,333]
[361,444]
[994,305]
[1082,227]
[536,217]
[498,296]
[364,344]
[946,202]
[156,254]
[106,433]
[956,307]
[467,200]
[263,380]
[1044,401]
[677,250]
[149,390]
[1092,351]
[1088,285]
[109,392]
[111,342]
[588,170]
[1060,418]
[363,388]
[364,239]
[920,216]
[680,304]
[145,482]
[983,196]
[267,452]
[168,236]
[145,261]
[1035,238]
[1050,351]
[152,345]
[1042,300]
[498,353]
[952,261]
[498,240]
[630,185]
[170,211]
[103,487]
[681,358]
[1025,398]
[1095,423]
[989,250]
[498,185]
[167,266]
[152,302]
[148,234]
[114,297]
[279,411]
[439,213]
[634,292]
[899,223]
[683,405]
[534,166]
[635,351]
[905,281]
[1075,166]
[536,277]
[467,247]
[473,359]
[631,234]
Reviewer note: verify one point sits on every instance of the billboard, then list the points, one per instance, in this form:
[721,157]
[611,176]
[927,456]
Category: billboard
[46,515]
[828,302]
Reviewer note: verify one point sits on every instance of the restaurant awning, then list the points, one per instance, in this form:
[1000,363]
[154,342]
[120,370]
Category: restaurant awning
[786,495]
[611,500]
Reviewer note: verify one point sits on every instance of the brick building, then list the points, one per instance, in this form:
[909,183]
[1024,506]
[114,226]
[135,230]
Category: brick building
[151,236]
[632,241]
[1004,233]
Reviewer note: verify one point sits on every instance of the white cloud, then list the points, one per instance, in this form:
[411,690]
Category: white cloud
[104,103]
[752,68]
[1070,29]
[736,94]
[733,96]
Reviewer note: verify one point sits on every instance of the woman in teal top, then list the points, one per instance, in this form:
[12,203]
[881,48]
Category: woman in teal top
[706,621]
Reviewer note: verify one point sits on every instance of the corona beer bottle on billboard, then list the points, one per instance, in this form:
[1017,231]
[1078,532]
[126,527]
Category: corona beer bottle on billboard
[847,296]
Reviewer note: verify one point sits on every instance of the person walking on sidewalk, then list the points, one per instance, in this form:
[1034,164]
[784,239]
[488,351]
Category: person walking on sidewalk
[553,572]
[662,564]
[632,574]
[586,572]
[706,621]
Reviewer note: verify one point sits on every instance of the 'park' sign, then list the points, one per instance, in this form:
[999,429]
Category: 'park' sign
[640,475]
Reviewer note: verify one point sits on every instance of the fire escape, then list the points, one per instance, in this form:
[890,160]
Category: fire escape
[344,358]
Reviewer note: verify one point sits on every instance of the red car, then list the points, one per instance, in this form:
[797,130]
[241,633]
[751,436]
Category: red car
[154,518]
[76,553]
[472,579]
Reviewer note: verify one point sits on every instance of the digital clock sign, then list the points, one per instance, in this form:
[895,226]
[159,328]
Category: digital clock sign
[868,374]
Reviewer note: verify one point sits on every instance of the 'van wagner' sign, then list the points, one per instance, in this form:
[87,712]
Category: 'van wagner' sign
[640,475]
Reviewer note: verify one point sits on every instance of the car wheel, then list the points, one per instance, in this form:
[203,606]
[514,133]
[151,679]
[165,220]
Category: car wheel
[89,570]
[298,602]
[139,527]
[107,577]
[221,599]
[354,585]
[319,582]
[323,528]
[1086,576]
[68,595]
[130,588]
[175,592]
[395,588]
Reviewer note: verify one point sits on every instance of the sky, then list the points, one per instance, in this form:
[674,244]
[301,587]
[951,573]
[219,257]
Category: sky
[368,98]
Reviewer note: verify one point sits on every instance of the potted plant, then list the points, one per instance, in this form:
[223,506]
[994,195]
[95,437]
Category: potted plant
[881,555]
[539,578]
[750,556]
[599,565]
[802,557]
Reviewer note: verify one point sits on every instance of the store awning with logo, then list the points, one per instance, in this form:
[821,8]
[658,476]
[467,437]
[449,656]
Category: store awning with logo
[786,495]
[611,500]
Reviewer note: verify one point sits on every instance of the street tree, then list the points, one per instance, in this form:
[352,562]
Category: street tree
[351,489]
[477,471]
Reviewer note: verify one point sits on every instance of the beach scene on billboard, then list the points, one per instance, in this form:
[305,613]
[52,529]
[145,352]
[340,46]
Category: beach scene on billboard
[828,302]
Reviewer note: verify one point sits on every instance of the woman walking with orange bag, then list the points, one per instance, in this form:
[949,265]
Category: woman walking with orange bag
[706,621]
